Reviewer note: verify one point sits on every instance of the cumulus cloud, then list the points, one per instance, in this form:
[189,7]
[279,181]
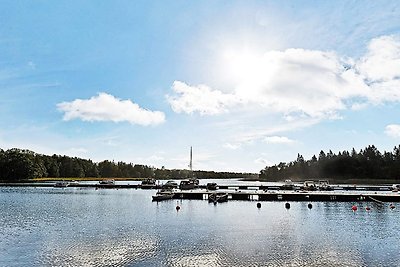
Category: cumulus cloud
[201,99]
[299,83]
[382,61]
[393,130]
[105,107]
[278,140]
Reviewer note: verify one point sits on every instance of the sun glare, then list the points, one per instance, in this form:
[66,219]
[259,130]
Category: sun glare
[242,66]
[246,69]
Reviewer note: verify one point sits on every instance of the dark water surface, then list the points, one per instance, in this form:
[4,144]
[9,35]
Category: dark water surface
[87,227]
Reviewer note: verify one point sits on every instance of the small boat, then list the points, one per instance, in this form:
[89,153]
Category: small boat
[212,186]
[170,185]
[61,184]
[323,185]
[288,185]
[187,185]
[395,187]
[73,183]
[108,182]
[148,183]
[309,186]
[218,198]
[163,195]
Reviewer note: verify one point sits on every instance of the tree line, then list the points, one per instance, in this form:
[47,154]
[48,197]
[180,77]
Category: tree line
[20,165]
[368,163]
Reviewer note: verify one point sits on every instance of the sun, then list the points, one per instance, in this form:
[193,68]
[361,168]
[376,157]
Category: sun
[246,69]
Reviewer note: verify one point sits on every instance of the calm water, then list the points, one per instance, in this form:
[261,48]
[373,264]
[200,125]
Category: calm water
[87,227]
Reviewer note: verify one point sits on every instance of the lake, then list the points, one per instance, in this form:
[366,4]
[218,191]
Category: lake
[109,227]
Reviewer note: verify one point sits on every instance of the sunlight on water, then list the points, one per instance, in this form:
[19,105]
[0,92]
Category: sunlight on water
[87,227]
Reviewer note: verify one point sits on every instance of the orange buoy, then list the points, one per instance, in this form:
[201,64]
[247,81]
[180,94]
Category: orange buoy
[177,206]
[391,206]
[354,208]
[367,208]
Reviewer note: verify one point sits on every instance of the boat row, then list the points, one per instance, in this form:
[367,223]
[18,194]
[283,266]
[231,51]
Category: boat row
[165,194]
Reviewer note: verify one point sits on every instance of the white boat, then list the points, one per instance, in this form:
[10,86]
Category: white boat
[163,195]
[61,184]
[211,186]
[323,185]
[218,198]
[288,185]
[309,185]
[107,182]
[148,183]
[187,185]
[170,185]
[395,188]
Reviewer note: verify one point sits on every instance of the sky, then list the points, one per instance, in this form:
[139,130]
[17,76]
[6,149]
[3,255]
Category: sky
[247,84]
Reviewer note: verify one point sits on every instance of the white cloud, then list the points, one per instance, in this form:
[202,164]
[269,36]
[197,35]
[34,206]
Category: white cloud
[232,146]
[278,140]
[393,130]
[263,162]
[105,107]
[201,99]
[299,83]
[382,61]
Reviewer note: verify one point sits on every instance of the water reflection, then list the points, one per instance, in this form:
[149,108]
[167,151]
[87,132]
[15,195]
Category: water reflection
[72,227]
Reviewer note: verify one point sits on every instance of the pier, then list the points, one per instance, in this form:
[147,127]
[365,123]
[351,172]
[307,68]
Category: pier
[312,196]
[344,193]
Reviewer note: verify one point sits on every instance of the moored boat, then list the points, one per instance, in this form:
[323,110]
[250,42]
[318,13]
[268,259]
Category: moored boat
[288,185]
[107,182]
[186,185]
[170,185]
[148,183]
[212,186]
[218,198]
[163,195]
[323,185]
[61,184]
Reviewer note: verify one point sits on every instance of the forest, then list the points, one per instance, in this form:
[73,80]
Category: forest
[367,164]
[17,165]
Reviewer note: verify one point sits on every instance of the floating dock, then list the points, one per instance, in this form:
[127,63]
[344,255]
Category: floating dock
[345,193]
[312,196]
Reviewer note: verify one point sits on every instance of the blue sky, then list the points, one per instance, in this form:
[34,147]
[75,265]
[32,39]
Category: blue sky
[246,83]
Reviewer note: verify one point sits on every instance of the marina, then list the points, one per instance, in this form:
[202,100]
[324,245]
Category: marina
[243,191]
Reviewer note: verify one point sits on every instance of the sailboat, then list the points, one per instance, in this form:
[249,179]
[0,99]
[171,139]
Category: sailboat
[192,182]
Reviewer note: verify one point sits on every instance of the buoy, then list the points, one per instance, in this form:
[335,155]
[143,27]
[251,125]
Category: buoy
[391,206]
[177,206]
[354,208]
[309,205]
[287,205]
[259,205]
[367,208]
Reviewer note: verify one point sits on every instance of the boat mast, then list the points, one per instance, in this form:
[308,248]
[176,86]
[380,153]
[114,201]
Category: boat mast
[191,160]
